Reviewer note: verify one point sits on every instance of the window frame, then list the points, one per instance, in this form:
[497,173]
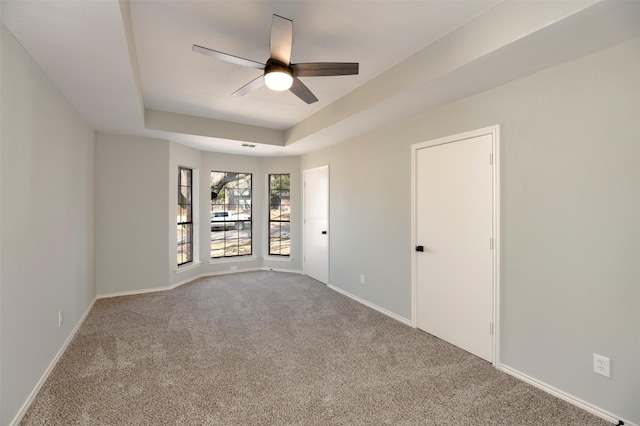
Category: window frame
[224,227]
[270,194]
[189,241]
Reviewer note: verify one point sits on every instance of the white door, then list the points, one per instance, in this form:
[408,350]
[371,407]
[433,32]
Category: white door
[454,225]
[316,223]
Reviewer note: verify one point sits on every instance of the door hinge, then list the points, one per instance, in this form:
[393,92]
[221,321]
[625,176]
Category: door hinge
[491,158]
[491,328]
[491,243]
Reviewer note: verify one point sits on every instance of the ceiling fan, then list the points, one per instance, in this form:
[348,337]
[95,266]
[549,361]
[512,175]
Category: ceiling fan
[279,73]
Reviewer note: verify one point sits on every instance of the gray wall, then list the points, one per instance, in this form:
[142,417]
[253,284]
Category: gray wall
[570,219]
[46,223]
[131,213]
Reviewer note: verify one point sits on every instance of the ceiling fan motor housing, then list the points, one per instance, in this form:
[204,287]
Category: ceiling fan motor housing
[275,66]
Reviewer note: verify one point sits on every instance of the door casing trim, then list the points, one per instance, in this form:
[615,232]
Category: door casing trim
[494,131]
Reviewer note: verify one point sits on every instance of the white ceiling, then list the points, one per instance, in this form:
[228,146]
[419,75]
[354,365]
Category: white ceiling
[120,62]
[376,34]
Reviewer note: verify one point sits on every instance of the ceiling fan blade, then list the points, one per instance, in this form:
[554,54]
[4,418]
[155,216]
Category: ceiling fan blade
[228,58]
[281,39]
[302,91]
[325,69]
[249,87]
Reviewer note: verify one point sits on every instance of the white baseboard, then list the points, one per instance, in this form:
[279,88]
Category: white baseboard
[234,271]
[23,410]
[228,271]
[292,271]
[372,306]
[603,414]
[191,279]
[142,291]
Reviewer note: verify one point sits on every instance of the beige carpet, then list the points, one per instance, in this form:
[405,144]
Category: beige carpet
[268,348]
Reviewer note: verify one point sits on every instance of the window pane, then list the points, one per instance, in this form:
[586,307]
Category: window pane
[185,195]
[230,214]
[180,235]
[184,253]
[184,214]
[285,207]
[274,213]
[279,246]
[185,176]
[274,230]
[244,246]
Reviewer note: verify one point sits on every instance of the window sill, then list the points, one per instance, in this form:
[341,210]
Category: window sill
[187,267]
[232,259]
[278,258]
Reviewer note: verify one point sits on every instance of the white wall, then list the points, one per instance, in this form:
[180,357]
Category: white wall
[132,213]
[570,228]
[46,223]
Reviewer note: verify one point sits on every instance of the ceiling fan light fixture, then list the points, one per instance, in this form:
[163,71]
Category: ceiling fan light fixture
[278,80]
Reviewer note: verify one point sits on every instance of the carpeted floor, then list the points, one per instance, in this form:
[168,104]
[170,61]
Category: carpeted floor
[269,348]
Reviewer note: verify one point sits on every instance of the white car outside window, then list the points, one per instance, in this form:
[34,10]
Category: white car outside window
[226,220]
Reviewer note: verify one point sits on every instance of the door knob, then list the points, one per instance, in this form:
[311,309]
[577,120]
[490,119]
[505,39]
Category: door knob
[420,248]
[324,232]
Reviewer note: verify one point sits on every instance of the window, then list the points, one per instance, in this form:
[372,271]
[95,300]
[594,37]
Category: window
[280,215]
[185,216]
[230,214]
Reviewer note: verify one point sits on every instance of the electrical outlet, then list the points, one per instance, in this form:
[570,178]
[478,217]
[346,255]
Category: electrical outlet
[361,278]
[601,365]
[60,318]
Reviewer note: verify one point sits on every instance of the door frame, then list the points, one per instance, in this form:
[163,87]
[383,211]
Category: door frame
[494,131]
[304,219]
